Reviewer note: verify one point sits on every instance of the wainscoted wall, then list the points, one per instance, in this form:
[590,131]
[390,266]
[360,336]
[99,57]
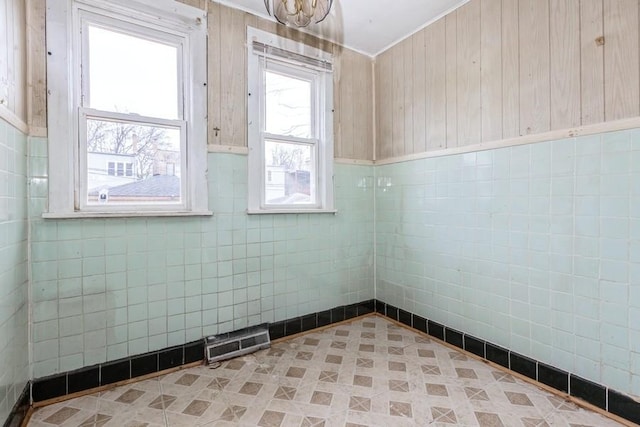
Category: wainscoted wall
[14,311]
[353,83]
[535,248]
[499,69]
[104,289]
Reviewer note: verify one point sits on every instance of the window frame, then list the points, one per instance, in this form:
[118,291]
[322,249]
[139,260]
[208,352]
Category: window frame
[162,20]
[321,140]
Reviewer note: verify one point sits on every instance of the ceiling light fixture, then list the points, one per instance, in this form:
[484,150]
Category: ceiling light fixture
[298,13]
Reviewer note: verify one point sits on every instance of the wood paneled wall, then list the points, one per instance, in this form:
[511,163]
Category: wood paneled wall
[498,69]
[227,55]
[353,84]
[13,62]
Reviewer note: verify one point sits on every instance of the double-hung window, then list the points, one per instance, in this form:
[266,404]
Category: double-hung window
[290,127]
[127,108]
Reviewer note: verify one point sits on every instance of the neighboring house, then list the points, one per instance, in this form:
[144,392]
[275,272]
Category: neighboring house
[108,170]
[116,178]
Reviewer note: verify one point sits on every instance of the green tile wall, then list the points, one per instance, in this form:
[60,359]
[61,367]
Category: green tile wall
[535,248]
[14,334]
[104,289]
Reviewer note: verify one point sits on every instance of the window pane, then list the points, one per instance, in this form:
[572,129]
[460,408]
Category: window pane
[129,74]
[147,151]
[290,174]
[287,105]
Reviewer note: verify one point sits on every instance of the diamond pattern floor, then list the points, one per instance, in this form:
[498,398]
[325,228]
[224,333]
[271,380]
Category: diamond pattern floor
[366,373]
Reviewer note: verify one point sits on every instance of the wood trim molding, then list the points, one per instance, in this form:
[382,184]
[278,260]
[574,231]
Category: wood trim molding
[230,149]
[618,125]
[15,121]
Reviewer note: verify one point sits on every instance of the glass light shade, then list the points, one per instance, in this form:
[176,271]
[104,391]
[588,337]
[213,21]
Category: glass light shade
[298,13]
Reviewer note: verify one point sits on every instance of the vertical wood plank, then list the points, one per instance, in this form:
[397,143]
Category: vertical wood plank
[407,47]
[436,91]
[491,69]
[419,92]
[451,83]
[337,104]
[621,68]
[398,100]
[384,105]
[347,103]
[214,64]
[592,61]
[369,140]
[36,66]
[534,67]
[233,76]
[363,108]
[565,63]
[20,59]
[510,69]
[469,91]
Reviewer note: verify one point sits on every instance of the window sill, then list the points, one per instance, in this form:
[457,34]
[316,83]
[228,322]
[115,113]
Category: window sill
[79,215]
[290,211]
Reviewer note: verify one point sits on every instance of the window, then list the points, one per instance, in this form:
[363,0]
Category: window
[133,73]
[290,126]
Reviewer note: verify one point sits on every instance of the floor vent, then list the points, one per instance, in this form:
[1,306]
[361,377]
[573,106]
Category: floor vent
[237,343]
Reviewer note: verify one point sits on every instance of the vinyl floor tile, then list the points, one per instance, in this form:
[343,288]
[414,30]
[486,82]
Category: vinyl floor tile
[369,372]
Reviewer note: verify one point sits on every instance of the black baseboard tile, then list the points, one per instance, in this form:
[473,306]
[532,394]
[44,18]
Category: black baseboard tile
[588,391]
[170,358]
[309,322]
[380,307]
[144,365]
[337,314]
[474,345]
[497,354]
[20,409]
[276,330]
[420,323]
[324,318]
[114,372]
[83,379]
[523,365]
[453,337]
[350,311]
[405,318]
[392,312]
[553,377]
[435,329]
[292,326]
[49,388]
[624,406]
[194,352]
[366,307]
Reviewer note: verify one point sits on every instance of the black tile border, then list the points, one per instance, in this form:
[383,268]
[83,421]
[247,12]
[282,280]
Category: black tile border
[598,395]
[20,409]
[136,366]
[120,370]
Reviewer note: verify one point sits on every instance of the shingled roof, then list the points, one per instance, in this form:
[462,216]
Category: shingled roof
[154,186]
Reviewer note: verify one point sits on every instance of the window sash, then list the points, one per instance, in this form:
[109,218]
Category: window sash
[321,139]
[82,179]
[119,24]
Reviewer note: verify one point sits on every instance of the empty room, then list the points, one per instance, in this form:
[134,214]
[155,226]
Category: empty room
[319,213]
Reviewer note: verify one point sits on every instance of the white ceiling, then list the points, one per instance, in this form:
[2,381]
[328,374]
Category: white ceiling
[368,26]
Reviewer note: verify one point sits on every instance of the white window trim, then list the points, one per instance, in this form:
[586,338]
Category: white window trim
[256,135]
[63,77]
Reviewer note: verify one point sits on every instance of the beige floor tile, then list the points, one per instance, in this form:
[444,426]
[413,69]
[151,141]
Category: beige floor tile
[369,372]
